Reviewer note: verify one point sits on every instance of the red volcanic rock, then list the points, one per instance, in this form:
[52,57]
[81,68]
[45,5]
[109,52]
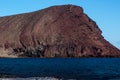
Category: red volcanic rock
[58,31]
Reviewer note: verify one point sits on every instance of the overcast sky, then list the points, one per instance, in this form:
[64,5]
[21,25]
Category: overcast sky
[106,13]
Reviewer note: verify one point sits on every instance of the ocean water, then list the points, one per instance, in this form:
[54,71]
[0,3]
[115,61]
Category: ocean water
[60,68]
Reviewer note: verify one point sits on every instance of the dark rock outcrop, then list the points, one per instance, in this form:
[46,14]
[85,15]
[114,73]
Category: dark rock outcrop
[58,31]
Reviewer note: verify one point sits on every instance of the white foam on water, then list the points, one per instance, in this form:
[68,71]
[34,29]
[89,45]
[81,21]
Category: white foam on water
[38,78]
[34,78]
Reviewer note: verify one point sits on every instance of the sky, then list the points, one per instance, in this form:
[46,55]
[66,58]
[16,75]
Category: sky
[106,13]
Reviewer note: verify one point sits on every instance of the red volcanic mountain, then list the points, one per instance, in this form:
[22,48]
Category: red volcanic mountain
[57,31]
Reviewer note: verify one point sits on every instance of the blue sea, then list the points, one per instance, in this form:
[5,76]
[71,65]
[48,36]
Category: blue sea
[60,68]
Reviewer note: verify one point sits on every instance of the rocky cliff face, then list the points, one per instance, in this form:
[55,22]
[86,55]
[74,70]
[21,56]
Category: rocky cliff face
[58,31]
